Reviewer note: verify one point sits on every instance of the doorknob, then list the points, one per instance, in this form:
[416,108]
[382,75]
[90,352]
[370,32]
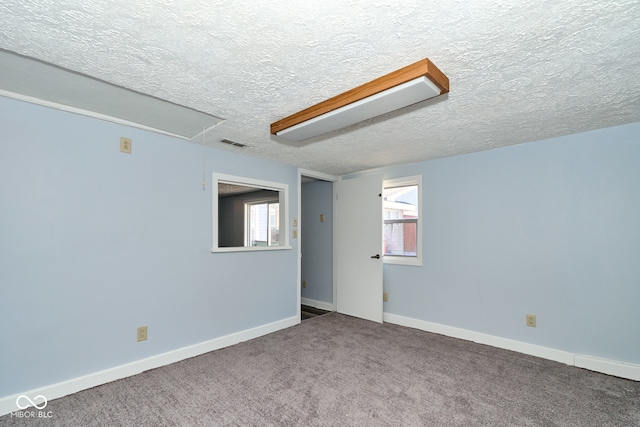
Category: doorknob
[376,256]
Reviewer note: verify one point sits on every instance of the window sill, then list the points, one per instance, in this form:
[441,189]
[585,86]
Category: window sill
[250,249]
[401,260]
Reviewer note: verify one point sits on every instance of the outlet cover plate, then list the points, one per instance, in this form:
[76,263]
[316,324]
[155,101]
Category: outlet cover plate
[531,320]
[142,333]
[125,145]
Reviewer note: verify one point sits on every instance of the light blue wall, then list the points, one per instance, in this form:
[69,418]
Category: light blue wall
[550,228]
[94,243]
[317,240]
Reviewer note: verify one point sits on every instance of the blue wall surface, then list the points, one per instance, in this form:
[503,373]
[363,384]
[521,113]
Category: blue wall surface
[94,243]
[550,228]
[317,240]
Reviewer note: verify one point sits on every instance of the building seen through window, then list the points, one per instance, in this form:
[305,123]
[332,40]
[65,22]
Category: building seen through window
[400,220]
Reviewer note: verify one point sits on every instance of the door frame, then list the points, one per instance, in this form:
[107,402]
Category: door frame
[324,177]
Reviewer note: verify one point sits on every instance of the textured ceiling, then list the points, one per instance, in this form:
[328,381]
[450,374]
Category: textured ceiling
[519,71]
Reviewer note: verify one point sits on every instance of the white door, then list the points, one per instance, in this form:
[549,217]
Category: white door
[359,260]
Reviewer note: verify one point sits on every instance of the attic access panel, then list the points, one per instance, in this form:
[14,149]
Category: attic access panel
[34,81]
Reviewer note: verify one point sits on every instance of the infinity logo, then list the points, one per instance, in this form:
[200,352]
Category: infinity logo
[31,402]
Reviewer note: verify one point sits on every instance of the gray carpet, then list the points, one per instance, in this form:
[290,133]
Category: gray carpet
[340,371]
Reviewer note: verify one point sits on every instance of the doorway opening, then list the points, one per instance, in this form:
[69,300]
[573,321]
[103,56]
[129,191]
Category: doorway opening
[316,245]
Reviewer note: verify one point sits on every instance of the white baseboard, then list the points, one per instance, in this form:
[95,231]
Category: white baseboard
[610,367]
[54,391]
[605,366]
[317,304]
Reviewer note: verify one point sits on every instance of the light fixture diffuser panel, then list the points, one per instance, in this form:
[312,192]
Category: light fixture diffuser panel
[397,97]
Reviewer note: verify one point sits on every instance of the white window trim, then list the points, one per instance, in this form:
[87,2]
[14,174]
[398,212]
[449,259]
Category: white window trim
[283,190]
[404,260]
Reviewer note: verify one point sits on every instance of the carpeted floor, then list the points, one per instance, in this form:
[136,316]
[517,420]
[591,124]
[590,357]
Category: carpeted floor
[336,370]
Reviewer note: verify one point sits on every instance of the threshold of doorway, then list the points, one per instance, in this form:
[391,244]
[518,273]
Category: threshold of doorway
[307,312]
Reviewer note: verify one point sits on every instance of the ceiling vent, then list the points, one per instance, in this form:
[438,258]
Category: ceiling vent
[232,143]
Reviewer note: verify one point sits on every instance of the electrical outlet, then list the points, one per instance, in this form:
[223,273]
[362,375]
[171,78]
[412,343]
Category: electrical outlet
[321,217]
[304,284]
[142,333]
[385,296]
[125,145]
[531,320]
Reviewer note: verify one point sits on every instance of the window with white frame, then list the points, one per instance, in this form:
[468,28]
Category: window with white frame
[401,215]
[249,214]
[263,223]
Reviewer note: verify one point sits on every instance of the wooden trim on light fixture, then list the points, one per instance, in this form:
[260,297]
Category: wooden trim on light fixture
[421,68]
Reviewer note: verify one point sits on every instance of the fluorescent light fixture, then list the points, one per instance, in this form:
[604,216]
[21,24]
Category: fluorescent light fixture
[408,93]
[409,85]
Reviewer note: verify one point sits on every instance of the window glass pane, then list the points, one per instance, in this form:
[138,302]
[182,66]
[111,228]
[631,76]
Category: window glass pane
[400,239]
[264,224]
[401,204]
[258,225]
[274,224]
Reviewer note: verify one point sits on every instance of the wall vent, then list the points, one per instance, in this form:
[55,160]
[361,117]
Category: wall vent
[232,143]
